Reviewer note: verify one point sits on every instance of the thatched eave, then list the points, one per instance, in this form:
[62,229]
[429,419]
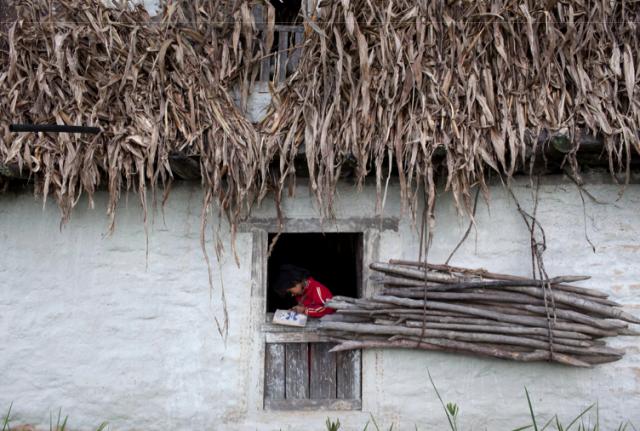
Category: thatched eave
[552,151]
[424,89]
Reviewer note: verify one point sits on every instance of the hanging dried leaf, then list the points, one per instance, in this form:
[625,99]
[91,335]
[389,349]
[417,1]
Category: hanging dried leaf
[471,84]
[426,89]
[154,88]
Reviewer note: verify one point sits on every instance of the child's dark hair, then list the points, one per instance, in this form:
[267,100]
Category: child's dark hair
[289,276]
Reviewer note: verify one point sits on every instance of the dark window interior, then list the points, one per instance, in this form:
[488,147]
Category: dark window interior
[287,11]
[334,259]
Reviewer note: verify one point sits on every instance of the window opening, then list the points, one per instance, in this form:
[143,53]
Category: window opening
[287,11]
[287,40]
[334,259]
[303,374]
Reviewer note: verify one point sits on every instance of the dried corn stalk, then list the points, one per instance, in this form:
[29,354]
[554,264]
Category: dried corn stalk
[153,86]
[454,89]
[430,88]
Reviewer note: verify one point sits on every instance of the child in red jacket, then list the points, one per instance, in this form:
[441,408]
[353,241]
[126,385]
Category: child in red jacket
[310,294]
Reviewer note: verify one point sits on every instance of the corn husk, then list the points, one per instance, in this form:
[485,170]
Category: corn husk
[454,91]
[154,87]
[427,91]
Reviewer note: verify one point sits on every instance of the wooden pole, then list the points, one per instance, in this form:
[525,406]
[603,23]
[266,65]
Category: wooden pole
[502,317]
[465,336]
[508,330]
[444,308]
[491,275]
[468,348]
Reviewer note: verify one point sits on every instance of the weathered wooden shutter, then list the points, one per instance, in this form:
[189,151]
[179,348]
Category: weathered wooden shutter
[307,376]
[289,39]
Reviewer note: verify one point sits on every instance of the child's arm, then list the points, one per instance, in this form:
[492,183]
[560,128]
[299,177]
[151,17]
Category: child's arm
[320,295]
[319,311]
[300,309]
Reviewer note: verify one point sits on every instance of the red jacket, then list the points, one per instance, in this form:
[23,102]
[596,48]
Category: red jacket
[314,297]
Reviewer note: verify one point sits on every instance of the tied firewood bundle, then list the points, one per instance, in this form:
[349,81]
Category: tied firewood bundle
[476,312]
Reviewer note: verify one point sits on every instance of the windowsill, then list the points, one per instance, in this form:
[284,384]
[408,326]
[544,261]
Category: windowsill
[313,405]
[293,334]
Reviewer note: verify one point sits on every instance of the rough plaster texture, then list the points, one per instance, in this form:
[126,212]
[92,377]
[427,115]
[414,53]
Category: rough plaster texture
[90,325]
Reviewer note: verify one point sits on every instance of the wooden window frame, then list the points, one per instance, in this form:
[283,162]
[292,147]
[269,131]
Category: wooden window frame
[370,230]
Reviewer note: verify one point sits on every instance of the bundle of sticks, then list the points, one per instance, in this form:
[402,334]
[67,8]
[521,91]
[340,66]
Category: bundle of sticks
[473,311]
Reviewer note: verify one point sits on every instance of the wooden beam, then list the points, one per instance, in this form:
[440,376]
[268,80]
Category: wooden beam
[274,375]
[296,371]
[349,369]
[322,371]
[309,405]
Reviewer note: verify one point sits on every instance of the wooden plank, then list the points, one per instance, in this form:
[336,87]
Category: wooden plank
[289,28]
[283,55]
[296,371]
[281,27]
[295,337]
[371,249]
[309,225]
[268,326]
[274,375]
[296,52]
[348,365]
[310,405]
[258,263]
[260,17]
[322,371]
[265,69]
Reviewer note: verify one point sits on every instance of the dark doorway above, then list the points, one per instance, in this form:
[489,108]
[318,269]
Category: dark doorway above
[287,11]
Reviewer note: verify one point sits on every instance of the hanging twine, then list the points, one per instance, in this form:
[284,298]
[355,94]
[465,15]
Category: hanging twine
[537,264]
[547,294]
[425,242]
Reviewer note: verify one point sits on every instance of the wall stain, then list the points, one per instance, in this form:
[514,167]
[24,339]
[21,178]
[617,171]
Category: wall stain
[631,248]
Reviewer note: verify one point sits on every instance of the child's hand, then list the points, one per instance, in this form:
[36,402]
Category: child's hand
[300,309]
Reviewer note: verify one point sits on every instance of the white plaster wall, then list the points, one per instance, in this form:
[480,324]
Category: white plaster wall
[91,326]
[153,6]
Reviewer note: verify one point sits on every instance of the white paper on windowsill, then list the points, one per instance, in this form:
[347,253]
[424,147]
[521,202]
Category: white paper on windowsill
[289,318]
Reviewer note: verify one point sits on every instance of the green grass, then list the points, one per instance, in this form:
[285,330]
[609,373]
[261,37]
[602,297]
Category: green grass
[60,423]
[578,421]
[375,424]
[450,410]
[333,426]
[59,426]
[582,422]
[5,422]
